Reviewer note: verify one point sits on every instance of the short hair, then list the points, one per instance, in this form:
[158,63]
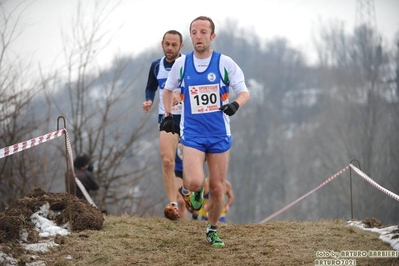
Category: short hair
[204,18]
[173,32]
[82,160]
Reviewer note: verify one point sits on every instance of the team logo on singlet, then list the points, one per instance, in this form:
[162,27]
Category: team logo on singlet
[211,77]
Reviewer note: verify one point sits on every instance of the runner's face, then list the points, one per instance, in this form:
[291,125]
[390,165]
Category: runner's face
[171,46]
[201,35]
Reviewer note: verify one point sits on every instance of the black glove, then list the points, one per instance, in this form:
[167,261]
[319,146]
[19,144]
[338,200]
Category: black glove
[230,108]
[168,124]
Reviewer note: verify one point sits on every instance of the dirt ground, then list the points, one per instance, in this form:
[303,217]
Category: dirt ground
[246,242]
[64,208]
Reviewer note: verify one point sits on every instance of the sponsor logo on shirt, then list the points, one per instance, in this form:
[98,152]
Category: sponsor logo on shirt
[194,90]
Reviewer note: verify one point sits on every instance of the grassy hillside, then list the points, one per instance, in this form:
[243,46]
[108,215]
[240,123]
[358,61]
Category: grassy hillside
[126,240]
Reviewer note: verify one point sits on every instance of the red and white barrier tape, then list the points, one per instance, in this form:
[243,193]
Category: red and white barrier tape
[77,181]
[357,170]
[10,150]
[4,152]
[372,182]
[304,196]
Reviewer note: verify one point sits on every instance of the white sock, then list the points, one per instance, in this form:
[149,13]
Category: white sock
[210,229]
[175,204]
[184,191]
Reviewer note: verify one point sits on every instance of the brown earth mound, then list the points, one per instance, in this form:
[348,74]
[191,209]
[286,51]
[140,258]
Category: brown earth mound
[66,208]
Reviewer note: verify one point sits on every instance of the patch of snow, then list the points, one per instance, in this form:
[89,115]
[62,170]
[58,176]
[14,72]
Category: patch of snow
[385,233]
[45,226]
[40,247]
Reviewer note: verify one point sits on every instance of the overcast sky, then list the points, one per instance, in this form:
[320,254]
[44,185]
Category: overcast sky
[139,24]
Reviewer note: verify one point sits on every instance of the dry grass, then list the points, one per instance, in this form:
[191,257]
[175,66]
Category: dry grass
[126,240]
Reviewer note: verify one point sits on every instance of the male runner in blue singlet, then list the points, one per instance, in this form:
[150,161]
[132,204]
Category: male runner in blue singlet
[205,78]
[172,43]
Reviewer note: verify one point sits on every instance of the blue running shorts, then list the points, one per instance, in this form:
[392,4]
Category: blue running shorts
[209,144]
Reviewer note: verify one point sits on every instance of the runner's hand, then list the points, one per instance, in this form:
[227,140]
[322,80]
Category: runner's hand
[230,108]
[168,124]
[147,105]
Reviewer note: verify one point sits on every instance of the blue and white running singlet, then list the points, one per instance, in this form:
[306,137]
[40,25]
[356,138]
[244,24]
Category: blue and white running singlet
[204,94]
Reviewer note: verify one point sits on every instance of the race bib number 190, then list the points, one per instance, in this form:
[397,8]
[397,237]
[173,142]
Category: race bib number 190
[204,98]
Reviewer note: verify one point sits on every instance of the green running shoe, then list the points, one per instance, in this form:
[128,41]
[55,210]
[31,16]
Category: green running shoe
[196,199]
[187,200]
[213,238]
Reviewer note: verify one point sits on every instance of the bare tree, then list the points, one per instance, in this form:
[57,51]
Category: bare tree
[356,118]
[101,114]
[21,171]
